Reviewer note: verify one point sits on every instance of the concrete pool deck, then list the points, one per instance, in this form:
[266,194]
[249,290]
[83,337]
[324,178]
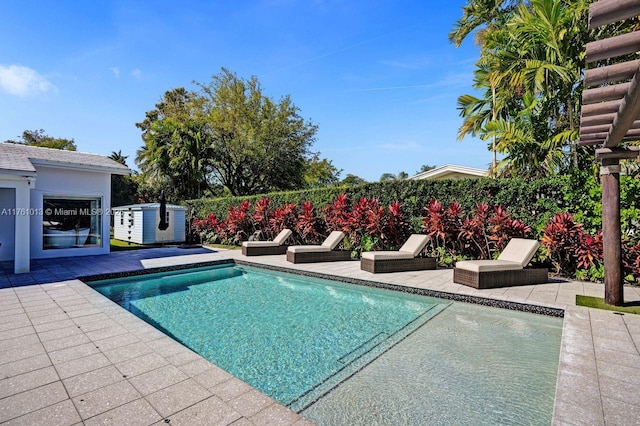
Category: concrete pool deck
[68,355]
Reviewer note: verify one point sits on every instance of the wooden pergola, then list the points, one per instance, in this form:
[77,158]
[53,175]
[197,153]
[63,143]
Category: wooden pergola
[610,116]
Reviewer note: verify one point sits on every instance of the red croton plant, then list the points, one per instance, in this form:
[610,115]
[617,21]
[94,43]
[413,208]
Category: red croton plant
[481,234]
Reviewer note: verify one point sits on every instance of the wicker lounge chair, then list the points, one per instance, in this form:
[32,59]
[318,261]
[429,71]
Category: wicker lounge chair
[322,253]
[508,270]
[397,261]
[260,248]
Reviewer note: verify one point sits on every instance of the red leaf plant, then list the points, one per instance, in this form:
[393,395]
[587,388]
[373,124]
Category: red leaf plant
[237,225]
[309,226]
[398,227]
[631,259]
[208,228]
[284,217]
[337,215]
[568,247]
[261,218]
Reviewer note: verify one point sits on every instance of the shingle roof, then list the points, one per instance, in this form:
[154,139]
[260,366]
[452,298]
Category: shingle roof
[21,158]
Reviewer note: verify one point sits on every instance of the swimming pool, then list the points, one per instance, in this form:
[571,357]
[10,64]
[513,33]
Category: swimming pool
[347,354]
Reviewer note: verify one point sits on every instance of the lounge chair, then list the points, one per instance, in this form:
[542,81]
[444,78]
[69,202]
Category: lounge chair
[507,270]
[322,253]
[260,248]
[397,261]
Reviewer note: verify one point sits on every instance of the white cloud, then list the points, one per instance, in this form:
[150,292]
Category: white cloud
[115,71]
[136,73]
[23,81]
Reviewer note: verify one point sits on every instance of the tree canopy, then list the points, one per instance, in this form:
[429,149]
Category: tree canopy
[39,138]
[528,78]
[227,134]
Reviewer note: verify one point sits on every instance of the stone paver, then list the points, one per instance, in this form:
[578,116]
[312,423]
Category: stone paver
[69,355]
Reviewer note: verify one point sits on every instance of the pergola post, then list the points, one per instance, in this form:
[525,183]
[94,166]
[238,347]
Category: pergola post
[611,235]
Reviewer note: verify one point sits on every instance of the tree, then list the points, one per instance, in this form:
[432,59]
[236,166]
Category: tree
[529,78]
[226,134]
[353,180]
[257,145]
[320,172]
[38,138]
[176,152]
[124,189]
[425,168]
[388,177]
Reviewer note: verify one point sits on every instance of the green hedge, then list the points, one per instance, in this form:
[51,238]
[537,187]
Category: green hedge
[533,202]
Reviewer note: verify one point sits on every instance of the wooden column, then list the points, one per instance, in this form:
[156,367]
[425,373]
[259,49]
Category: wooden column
[611,235]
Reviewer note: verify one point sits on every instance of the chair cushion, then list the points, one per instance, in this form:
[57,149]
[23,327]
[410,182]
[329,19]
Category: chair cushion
[414,244]
[259,244]
[308,249]
[333,239]
[381,255]
[282,236]
[520,250]
[488,265]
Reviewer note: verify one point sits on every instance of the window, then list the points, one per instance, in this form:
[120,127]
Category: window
[69,222]
[167,218]
[121,218]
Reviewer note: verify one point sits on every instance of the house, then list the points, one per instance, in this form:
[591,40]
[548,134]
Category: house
[452,171]
[138,223]
[53,203]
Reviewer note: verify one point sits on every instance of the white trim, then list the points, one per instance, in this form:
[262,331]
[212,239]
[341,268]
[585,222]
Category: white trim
[440,172]
[76,166]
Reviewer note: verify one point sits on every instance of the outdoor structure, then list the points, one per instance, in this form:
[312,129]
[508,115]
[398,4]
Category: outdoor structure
[53,203]
[452,171]
[139,223]
[610,117]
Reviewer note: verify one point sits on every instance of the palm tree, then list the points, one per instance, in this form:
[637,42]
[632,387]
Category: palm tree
[118,157]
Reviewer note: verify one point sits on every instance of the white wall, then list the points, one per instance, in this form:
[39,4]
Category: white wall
[7,223]
[128,231]
[54,181]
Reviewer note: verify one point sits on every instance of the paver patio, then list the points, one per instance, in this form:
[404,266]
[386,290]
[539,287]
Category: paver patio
[68,355]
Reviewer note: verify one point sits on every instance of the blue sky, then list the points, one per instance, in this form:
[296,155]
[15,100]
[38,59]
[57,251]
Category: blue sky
[379,77]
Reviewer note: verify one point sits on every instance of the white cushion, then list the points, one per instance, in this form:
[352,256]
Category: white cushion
[488,265]
[415,244]
[282,236]
[380,255]
[333,239]
[519,250]
[259,244]
[307,249]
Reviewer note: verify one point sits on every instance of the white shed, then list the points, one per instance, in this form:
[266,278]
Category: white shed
[138,223]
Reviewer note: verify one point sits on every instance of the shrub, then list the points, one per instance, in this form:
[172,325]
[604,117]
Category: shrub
[480,235]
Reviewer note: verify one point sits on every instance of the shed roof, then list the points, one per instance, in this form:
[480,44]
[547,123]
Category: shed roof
[21,159]
[148,206]
[451,169]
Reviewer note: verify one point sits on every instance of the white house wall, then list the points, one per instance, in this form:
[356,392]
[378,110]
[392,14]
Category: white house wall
[7,223]
[61,182]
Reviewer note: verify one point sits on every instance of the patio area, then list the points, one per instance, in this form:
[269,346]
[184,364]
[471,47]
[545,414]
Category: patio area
[70,356]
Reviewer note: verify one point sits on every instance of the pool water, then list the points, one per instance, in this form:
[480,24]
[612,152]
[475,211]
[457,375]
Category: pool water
[347,354]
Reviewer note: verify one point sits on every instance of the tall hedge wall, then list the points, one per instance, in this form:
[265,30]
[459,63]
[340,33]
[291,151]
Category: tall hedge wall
[532,201]
[536,200]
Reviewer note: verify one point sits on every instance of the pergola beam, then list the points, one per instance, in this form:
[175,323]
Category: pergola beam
[613,47]
[607,93]
[610,73]
[606,128]
[627,114]
[598,119]
[627,153]
[601,108]
[606,12]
